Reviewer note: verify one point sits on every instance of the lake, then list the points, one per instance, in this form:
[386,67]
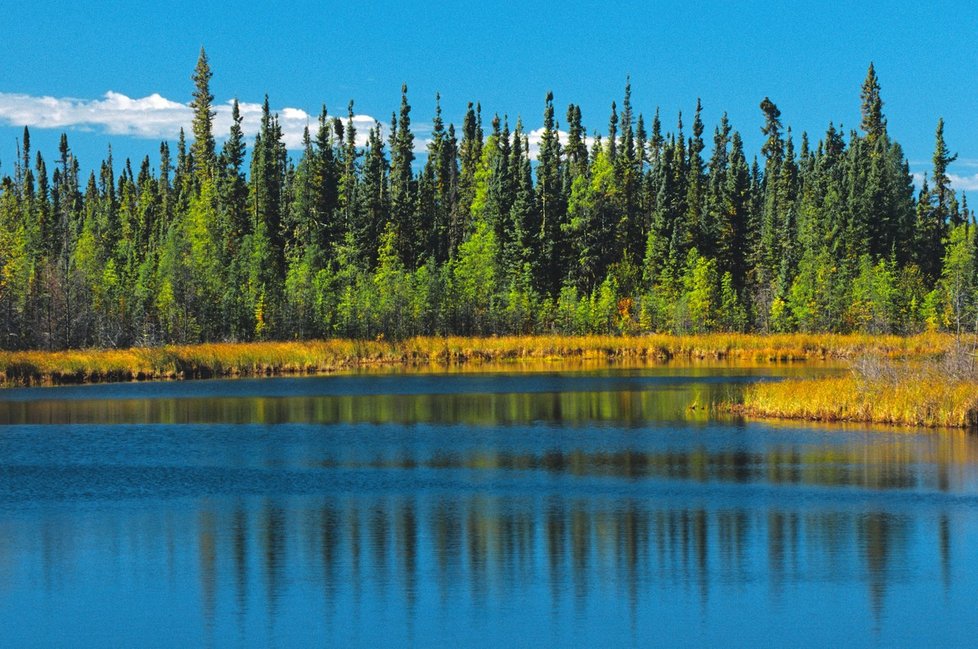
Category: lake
[588,506]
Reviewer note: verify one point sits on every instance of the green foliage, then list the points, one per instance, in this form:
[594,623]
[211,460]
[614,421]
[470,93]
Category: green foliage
[813,300]
[300,297]
[592,214]
[702,293]
[474,280]
[732,316]
[623,232]
[958,286]
[873,306]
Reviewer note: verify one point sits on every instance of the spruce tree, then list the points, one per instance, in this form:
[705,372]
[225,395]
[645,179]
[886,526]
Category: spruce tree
[732,233]
[551,205]
[374,208]
[203,146]
[773,152]
[942,192]
[441,178]
[326,175]
[628,228]
[470,154]
[696,230]
[348,198]
[873,123]
[232,187]
[522,255]
[402,183]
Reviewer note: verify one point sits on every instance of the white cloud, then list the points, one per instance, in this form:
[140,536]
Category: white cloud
[535,137]
[150,117]
[960,182]
[115,114]
[157,117]
[964,183]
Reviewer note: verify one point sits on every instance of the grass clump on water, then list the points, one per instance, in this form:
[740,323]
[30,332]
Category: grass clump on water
[937,392]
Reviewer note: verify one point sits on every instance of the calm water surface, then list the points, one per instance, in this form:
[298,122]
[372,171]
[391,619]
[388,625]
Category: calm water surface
[593,508]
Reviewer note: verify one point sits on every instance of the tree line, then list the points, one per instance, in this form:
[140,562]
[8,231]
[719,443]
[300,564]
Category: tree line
[629,230]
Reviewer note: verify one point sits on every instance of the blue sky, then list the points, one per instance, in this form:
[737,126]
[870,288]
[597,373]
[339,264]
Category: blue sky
[809,57]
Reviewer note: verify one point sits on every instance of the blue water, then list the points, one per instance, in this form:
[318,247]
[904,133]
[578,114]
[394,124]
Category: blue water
[587,508]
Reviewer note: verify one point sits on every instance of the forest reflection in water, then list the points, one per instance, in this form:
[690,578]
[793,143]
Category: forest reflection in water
[629,395]
[484,510]
[255,559]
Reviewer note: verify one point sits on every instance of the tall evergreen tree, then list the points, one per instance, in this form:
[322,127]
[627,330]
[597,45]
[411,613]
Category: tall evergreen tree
[203,149]
[696,230]
[944,198]
[349,153]
[470,154]
[766,255]
[402,183]
[441,176]
[326,174]
[551,205]
[375,204]
[522,255]
[873,123]
[936,212]
[232,186]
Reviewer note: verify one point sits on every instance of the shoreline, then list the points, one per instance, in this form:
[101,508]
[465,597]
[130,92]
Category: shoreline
[901,381]
[217,360]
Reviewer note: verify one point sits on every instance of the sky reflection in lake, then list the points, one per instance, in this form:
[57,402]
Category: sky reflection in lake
[583,509]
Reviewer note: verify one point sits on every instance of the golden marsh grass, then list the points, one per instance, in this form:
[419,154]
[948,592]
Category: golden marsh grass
[922,398]
[307,357]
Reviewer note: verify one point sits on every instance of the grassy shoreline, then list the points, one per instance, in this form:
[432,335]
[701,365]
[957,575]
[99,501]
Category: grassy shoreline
[908,381]
[313,357]
[933,392]
[925,403]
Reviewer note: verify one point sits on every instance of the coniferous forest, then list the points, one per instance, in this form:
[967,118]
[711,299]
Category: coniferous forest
[637,227]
